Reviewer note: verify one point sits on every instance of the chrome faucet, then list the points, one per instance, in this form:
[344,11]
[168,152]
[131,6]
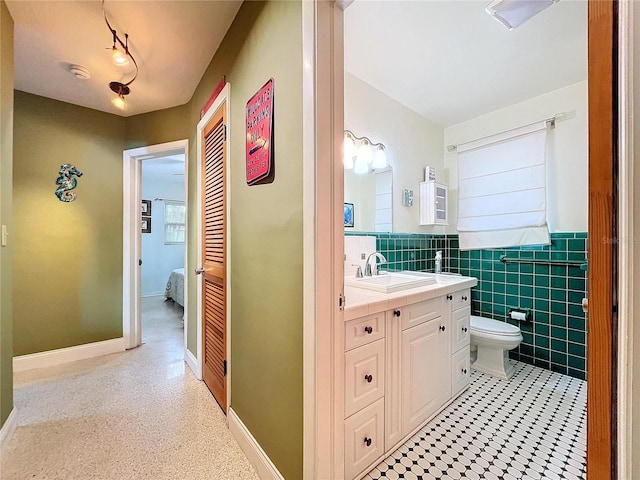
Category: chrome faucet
[367,265]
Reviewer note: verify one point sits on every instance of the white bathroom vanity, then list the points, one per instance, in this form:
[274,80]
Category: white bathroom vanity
[405,357]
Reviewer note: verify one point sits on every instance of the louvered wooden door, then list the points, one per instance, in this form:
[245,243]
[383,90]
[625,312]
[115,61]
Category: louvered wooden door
[214,284]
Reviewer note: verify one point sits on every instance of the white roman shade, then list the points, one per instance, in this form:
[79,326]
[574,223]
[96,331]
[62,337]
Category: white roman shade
[502,190]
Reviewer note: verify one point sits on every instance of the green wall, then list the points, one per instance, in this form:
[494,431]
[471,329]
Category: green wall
[67,274]
[67,267]
[6,160]
[264,41]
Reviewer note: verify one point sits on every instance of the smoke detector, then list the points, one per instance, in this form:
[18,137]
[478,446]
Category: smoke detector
[79,72]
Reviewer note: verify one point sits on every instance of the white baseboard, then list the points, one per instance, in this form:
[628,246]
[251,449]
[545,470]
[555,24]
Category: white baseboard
[69,354]
[261,462]
[7,429]
[192,362]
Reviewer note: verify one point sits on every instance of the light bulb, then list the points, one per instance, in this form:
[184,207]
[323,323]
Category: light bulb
[361,166]
[379,158]
[349,149]
[119,102]
[364,152]
[119,58]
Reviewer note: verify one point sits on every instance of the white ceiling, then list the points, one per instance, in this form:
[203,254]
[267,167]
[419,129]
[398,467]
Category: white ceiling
[450,61]
[168,169]
[172,41]
[447,59]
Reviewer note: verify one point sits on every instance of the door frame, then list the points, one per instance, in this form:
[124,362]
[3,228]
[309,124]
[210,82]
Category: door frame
[628,130]
[223,98]
[323,197]
[132,237]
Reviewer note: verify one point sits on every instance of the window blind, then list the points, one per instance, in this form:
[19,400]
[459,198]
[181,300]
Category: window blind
[502,191]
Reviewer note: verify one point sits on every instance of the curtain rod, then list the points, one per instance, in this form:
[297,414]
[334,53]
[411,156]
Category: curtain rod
[166,200]
[550,123]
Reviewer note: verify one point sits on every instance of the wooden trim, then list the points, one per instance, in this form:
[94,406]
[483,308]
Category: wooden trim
[601,359]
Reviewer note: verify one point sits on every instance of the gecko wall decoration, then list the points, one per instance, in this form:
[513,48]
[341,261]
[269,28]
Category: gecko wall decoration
[67,182]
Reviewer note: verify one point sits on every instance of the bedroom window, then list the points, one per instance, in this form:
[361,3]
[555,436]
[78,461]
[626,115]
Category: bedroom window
[174,222]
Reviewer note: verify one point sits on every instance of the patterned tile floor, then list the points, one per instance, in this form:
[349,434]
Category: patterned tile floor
[531,427]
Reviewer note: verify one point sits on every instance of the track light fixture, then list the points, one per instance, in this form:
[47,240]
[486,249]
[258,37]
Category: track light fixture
[120,55]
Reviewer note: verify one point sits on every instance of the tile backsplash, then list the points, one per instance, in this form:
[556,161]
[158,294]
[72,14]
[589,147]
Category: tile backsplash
[556,338]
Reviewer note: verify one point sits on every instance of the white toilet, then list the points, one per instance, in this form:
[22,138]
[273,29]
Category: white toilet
[493,339]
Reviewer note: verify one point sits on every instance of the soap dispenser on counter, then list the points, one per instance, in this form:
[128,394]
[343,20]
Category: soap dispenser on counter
[438,268]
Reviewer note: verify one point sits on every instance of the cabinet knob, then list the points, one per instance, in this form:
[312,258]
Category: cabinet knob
[464,329]
[367,441]
[442,328]
[464,370]
[368,329]
[464,298]
[396,313]
[368,378]
[449,297]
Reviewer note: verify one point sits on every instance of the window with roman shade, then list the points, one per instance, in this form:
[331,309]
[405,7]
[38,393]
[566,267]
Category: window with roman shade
[502,194]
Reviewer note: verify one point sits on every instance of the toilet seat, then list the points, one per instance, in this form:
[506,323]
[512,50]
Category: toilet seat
[495,327]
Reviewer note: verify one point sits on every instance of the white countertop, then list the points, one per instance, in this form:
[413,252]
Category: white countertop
[361,302]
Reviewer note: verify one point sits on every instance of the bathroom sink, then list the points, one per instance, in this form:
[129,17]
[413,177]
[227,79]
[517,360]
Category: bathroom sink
[389,282]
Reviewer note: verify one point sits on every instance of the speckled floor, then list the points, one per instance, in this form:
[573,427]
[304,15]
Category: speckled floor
[134,415]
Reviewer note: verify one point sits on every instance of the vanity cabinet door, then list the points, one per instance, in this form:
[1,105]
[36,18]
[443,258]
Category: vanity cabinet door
[364,376]
[426,375]
[460,329]
[460,371]
[363,439]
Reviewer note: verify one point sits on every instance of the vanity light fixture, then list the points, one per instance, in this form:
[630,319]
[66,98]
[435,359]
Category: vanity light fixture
[120,55]
[513,13]
[367,158]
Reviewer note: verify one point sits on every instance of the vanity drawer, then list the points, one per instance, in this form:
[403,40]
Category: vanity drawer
[460,328]
[420,312]
[364,376]
[361,331]
[363,439]
[460,371]
[460,299]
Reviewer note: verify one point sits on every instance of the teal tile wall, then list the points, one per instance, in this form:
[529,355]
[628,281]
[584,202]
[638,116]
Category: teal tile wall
[556,338]
[405,251]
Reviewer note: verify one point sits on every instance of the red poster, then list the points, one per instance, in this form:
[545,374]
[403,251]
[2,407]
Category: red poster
[260,136]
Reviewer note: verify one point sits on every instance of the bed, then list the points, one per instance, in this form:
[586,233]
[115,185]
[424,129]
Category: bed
[175,287]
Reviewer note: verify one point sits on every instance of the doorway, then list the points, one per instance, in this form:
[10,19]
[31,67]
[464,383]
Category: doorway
[138,220]
[163,248]
[568,352]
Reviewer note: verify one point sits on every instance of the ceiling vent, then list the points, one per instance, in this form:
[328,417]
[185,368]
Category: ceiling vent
[80,72]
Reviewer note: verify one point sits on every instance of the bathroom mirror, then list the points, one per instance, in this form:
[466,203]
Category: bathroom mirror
[371,195]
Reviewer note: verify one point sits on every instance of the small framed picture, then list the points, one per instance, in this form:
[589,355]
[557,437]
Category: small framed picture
[348,214]
[146,208]
[146,225]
